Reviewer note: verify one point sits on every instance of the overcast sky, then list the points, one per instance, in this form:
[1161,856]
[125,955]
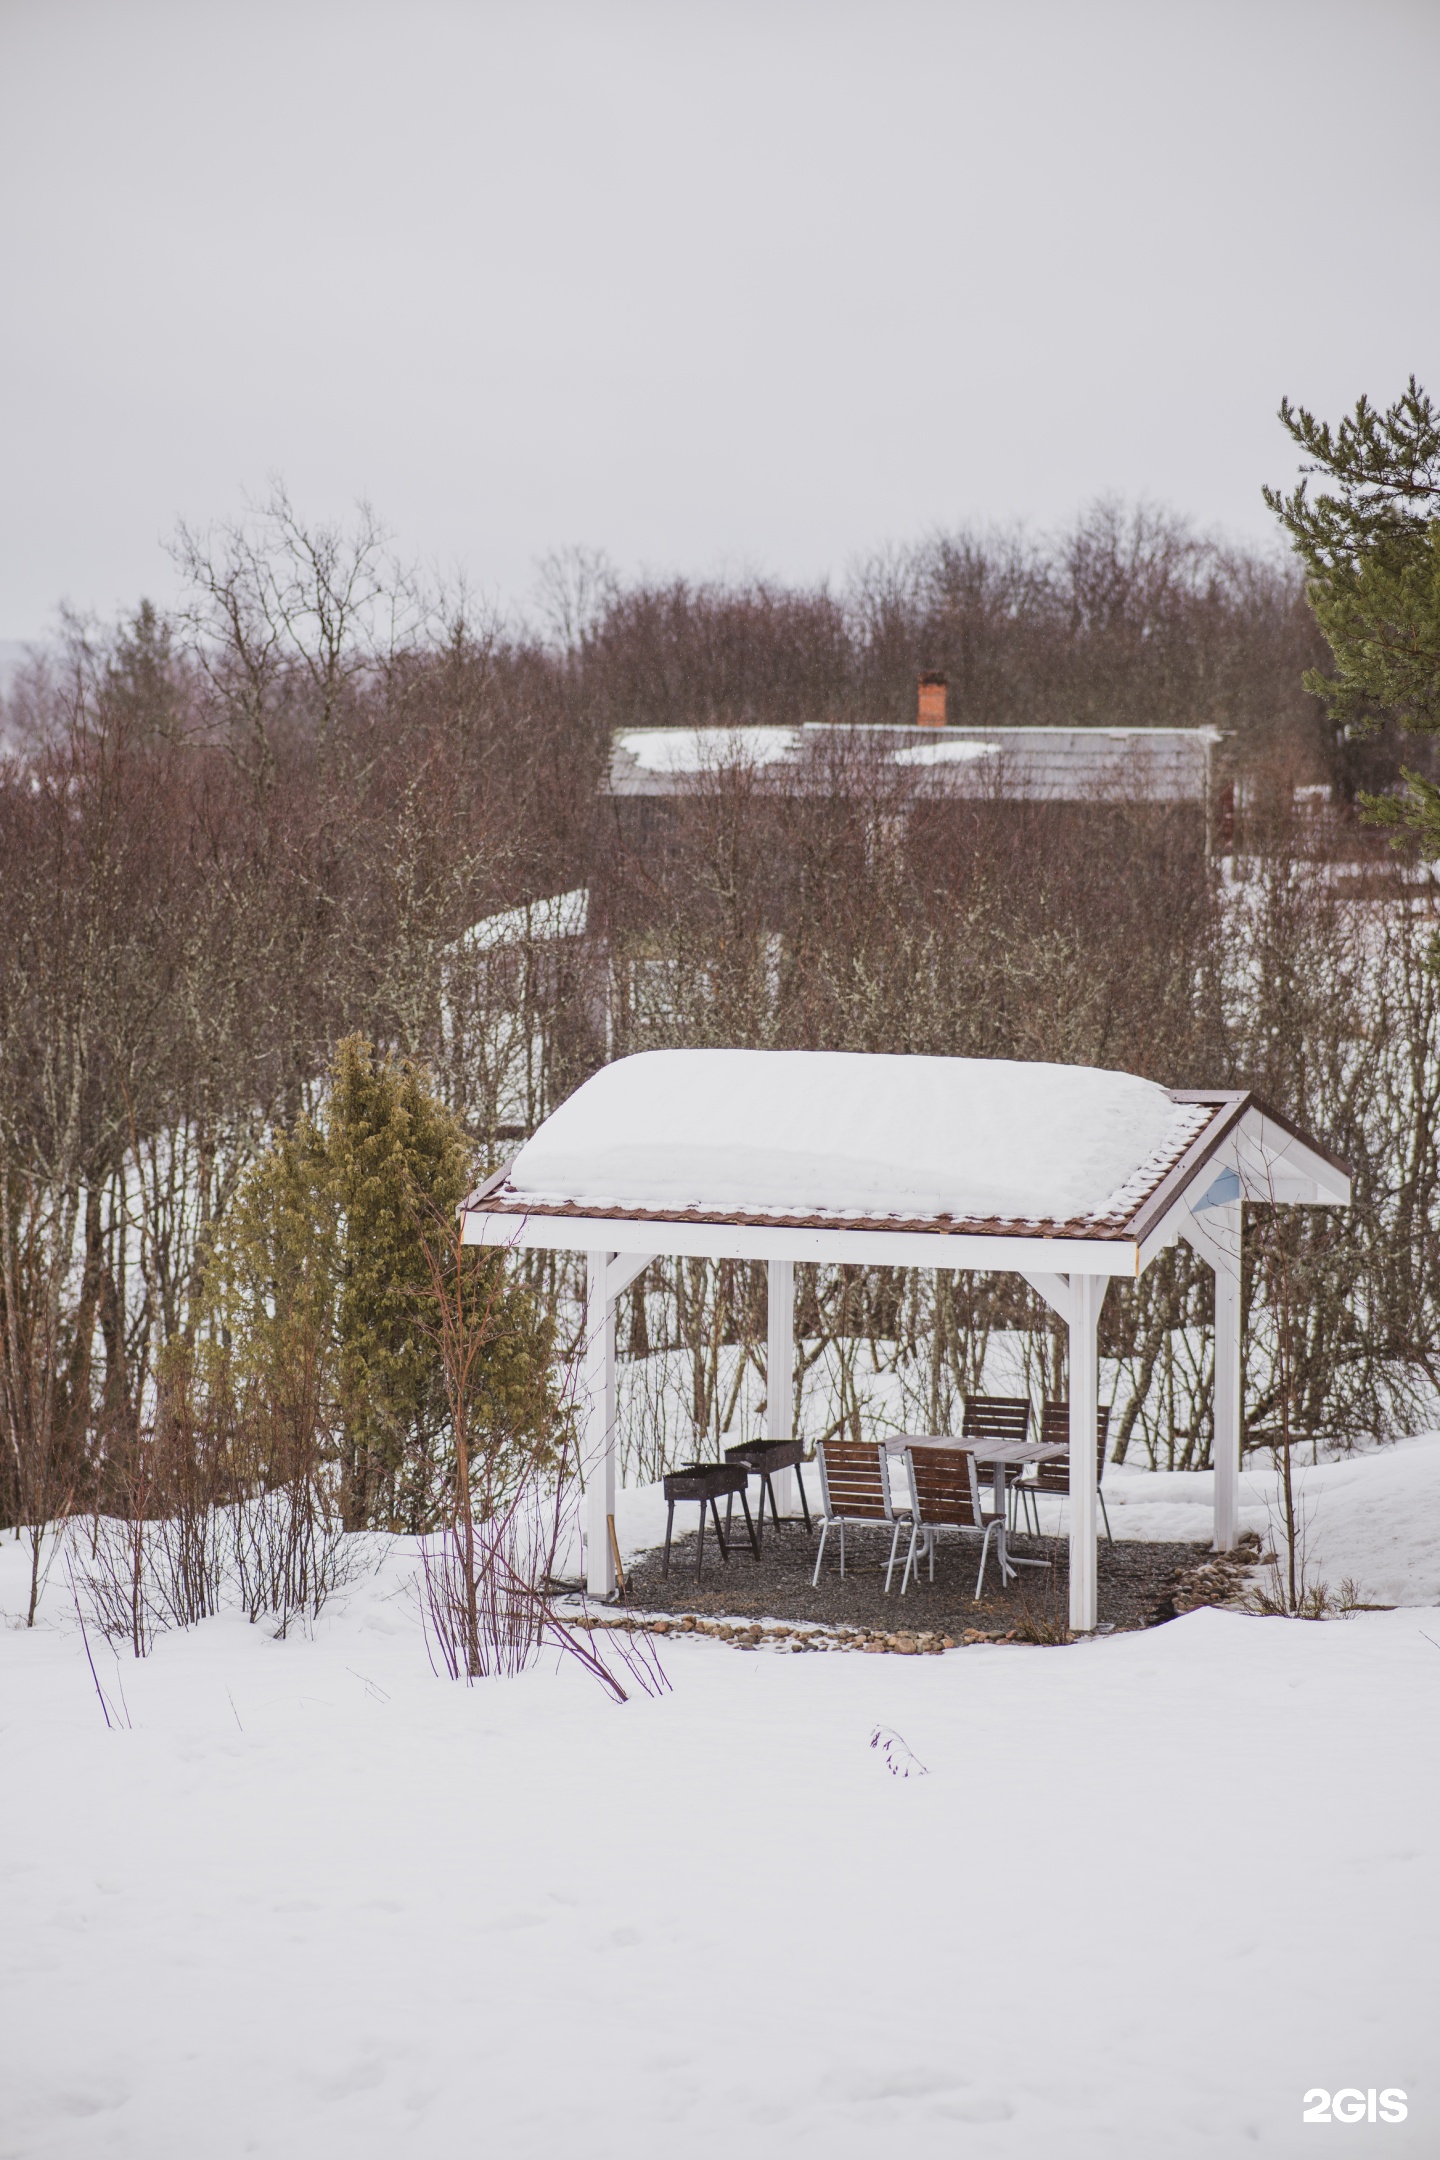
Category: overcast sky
[715,287]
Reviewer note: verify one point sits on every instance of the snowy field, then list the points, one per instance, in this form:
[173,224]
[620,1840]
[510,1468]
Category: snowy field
[1145,1893]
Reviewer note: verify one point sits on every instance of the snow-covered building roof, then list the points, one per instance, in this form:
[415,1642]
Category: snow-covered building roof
[1017,764]
[901,1160]
[562,915]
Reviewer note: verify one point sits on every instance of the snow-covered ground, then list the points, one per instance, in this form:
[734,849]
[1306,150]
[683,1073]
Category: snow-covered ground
[1146,1892]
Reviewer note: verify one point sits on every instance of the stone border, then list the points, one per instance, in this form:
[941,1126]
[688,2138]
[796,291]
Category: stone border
[789,1636]
[1219,1579]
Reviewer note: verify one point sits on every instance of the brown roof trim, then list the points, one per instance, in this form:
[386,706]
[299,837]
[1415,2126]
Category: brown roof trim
[1296,1132]
[1230,1106]
[489,1185]
[1103,1228]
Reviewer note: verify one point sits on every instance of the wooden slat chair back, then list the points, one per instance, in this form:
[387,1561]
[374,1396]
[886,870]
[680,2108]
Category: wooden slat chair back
[1054,1476]
[855,1480]
[854,1487]
[996,1417]
[944,1487]
[945,1494]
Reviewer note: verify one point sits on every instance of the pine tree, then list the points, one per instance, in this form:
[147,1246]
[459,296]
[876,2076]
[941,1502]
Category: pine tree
[321,1302]
[1371,548]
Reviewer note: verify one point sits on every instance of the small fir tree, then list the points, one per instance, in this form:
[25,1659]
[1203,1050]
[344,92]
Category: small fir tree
[321,1302]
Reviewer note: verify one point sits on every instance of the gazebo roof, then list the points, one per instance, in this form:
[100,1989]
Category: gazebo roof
[909,1160]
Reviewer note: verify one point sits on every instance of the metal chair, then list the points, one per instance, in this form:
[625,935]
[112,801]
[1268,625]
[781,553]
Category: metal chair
[945,1494]
[854,1487]
[1054,1476]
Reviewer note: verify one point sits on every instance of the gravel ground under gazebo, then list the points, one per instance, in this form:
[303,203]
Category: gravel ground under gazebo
[1140,1585]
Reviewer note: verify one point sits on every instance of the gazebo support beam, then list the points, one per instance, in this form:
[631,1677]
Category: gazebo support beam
[1228,1373]
[599,1460]
[1087,1293]
[1214,1232]
[780,1369]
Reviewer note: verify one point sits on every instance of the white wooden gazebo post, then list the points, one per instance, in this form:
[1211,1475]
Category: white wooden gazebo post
[780,1370]
[1214,1229]
[1224,1257]
[1086,1295]
[599,1457]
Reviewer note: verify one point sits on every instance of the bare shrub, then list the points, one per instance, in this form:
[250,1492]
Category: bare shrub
[487,1574]
[288,1547]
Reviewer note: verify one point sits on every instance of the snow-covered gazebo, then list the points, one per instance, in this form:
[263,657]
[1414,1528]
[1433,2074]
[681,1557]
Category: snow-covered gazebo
[1062,1174]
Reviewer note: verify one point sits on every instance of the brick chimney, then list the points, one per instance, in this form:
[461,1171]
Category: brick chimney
[931,709]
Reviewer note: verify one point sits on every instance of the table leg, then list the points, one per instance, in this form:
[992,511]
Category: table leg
[999,1480]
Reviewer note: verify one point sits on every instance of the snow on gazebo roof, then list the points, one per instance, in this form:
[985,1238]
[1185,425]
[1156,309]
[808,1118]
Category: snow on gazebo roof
[835,1140]
[836,1133]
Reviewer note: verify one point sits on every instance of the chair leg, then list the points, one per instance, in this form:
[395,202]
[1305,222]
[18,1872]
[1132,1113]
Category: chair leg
[669,1525]
[1105,1512]
[984,1556]
[930,1551]
[894,1548]
[749,1525]
[909,1558]
[842,1548]
[819,1557]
